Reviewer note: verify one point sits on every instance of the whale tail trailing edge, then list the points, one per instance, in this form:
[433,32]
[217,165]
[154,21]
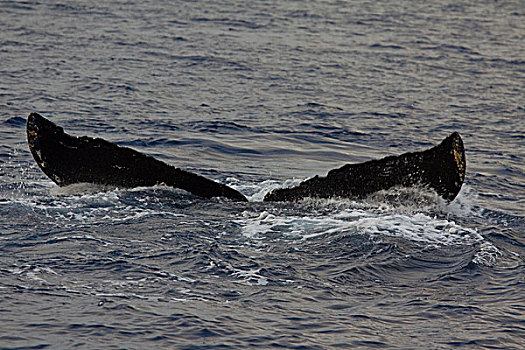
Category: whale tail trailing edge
[67,160]
[441,168]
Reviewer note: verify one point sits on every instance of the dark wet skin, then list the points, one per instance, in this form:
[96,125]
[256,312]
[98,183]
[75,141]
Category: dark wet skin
[67,160]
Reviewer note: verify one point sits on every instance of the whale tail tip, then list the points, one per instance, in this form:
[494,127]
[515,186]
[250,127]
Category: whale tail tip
[455,144]
[38,126]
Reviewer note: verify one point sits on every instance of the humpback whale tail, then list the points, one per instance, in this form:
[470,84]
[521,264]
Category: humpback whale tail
[441,168]
[68,160]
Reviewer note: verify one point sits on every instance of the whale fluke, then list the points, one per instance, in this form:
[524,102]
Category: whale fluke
[67,160]
[441,168]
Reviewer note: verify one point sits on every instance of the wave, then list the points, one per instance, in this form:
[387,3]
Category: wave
[400,216]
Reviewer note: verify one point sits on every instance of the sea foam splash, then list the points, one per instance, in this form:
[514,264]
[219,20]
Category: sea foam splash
[414,214]
[419,227]
[90,204]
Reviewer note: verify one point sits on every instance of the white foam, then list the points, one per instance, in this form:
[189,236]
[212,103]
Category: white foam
[91,204]
[486,255]
[416,214]
[418,227]
[250,277]
[256,191]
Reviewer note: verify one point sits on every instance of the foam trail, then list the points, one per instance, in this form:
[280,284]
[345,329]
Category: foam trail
[419,227]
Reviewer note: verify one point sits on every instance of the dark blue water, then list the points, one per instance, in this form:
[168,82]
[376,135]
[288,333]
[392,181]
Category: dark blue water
[262,95]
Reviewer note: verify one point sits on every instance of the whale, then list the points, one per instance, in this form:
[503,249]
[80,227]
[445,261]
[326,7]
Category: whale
[441,168]
[68,159]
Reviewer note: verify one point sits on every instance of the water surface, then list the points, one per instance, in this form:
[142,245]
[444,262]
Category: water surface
[261,96]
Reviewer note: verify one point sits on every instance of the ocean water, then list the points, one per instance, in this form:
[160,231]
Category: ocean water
[260,95]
